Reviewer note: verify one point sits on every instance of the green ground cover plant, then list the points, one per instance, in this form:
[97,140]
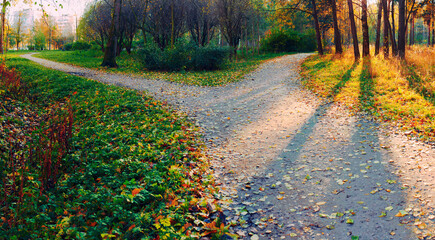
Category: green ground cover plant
[84,160]
[231,71]
[391,90]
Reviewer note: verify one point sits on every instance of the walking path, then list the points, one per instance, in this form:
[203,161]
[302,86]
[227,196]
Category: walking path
[296,167]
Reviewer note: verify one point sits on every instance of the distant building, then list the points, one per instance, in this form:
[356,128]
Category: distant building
[66,24]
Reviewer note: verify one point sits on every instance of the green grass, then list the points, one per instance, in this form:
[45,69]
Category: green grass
[387,89]
[232,71]
[134,169]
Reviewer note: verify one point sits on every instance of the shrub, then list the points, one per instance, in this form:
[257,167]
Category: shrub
[308,41]
[81,46]
[208,58]
[11,84]
[150,57]
[68,47]
[289,41]
[183,56]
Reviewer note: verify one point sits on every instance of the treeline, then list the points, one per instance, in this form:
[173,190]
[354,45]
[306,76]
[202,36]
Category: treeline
[117,24]
[389,25]
[164,22]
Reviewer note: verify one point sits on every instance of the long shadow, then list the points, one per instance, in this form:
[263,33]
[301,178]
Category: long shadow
[344,79]
[367,86]
[310,176]
[417,84]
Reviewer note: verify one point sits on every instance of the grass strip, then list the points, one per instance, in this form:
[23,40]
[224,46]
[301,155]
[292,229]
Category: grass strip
[385,88]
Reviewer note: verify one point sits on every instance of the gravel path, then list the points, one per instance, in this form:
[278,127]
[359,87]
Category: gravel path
[295,167]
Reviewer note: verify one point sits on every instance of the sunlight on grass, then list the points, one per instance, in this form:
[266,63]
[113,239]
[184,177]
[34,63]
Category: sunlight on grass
[388,94]
[231,72]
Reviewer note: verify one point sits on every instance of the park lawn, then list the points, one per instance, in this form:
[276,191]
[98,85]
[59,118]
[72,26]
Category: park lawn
[84,160]
[231,72]
[401,93]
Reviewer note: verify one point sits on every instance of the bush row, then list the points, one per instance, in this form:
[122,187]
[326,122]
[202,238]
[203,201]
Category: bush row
[77,46]
[183,56]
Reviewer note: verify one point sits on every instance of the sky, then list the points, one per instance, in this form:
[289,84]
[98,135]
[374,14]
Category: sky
[52,7]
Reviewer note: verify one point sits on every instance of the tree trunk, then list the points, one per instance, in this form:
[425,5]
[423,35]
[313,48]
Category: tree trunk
[317,27]
[433,22]
[393,30]
[144,36]
[402,29]
[173,25]
[258,33]
[365,29]
[393,40]
[378,28]
[412,31]
[353,30]
[428,33]
[2,30]
[337,35]
[386,31]
[110,53]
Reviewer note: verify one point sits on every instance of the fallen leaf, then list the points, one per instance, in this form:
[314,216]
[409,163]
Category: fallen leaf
[330,227]
[422,226]
[136,191]
[401,213]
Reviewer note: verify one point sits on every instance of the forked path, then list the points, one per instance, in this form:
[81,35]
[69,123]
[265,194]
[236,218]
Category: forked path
[296,167]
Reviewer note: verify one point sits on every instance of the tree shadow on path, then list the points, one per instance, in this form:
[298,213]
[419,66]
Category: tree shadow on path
[331,182]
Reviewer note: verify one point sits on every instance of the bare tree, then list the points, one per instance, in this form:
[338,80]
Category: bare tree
[402,29]
[337,35]
[128,26]
[231,14]
[317,28]
[201,20]
[378,28]
[165,21]
[109,59]
[353,30]
[18,33]
[95,24]
[365,29]
[386,29]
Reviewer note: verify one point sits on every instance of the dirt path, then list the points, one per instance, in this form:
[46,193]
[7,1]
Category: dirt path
[295,167]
